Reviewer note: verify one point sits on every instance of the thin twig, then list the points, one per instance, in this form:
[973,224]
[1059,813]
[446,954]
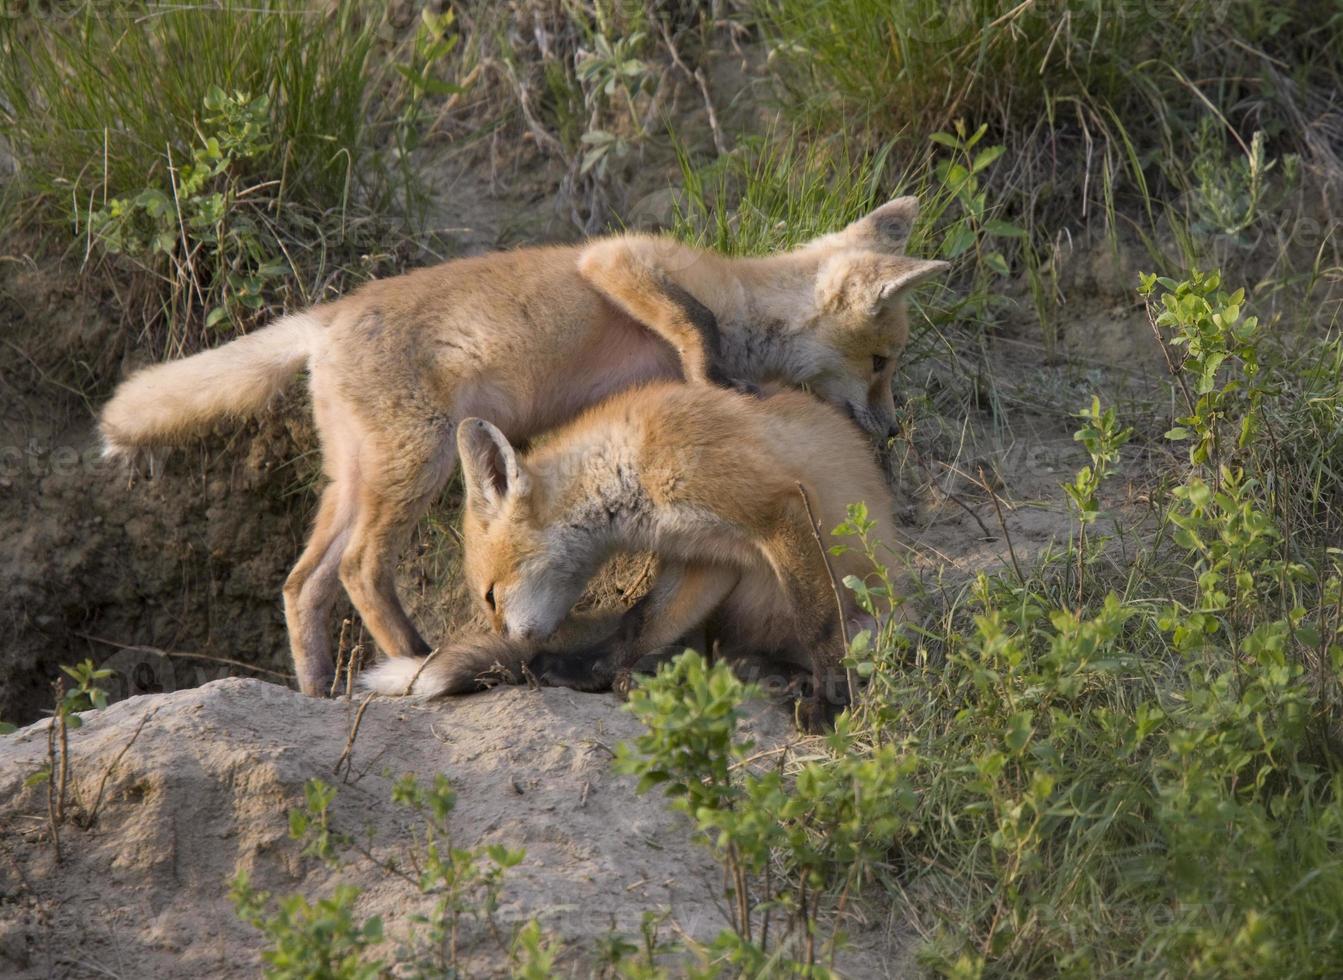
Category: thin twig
[834,586]
[92,814]
[51,786]
[423,664]
[48,379]
[1170,365]
[344,759]
[186,656]
[697,76]
[966,507]
[997,507]
[65,763]
[342,646]
[352,669]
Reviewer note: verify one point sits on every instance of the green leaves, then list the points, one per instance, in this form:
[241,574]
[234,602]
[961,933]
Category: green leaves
[85,693]
[976,224]
[325,939]
[197,214]
[1218,362]
[1103,440]
[823,825]
[311,940]
[692,713]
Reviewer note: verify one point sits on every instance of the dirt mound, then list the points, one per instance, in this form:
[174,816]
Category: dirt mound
[205,789]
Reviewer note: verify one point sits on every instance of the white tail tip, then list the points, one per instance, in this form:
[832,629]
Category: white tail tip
[393,676]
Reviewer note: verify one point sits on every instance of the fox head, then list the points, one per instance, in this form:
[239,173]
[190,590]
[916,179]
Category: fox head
[525,570]
[860,324]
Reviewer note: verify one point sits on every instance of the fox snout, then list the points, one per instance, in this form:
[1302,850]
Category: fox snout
[527,632]
[877,425]
[529,628]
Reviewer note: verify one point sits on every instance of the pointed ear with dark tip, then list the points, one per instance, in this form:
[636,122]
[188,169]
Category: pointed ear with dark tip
[886,229]
[490,465]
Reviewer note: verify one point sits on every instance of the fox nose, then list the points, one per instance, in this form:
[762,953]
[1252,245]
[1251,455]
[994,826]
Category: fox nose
[525,632]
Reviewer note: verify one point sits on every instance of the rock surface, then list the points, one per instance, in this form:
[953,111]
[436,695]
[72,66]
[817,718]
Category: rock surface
[205,788]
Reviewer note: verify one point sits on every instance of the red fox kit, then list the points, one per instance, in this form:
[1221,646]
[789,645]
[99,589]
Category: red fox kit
[705,479]
[527,339]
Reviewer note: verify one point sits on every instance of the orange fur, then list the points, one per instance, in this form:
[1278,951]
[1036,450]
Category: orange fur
[712,483]
[527,339]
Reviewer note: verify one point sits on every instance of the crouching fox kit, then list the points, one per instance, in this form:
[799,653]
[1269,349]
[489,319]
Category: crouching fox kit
[717,485]
[526,339]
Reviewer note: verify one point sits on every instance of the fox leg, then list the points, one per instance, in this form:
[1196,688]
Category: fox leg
[628,275]
[310,590]
[681,599]
[398,487]
[818,635]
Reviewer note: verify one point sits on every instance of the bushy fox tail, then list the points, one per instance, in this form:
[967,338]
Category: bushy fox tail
[482,660]
[165,403]
[472,664]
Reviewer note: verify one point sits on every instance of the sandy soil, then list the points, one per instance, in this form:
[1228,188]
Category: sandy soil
[204,790]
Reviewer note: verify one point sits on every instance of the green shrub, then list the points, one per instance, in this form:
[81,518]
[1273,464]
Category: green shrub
[317,940]
[1084,769]
[324,939]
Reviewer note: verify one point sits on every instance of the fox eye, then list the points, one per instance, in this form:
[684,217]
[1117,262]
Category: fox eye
[879,362]
[489,597]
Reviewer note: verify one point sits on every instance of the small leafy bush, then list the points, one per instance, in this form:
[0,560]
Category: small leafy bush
[782,842]
[326,939]
[1089,769]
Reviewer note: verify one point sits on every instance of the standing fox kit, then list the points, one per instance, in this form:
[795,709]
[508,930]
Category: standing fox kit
[715,484]
[527,339]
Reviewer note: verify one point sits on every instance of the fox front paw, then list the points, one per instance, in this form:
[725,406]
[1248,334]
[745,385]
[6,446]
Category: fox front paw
[814,716]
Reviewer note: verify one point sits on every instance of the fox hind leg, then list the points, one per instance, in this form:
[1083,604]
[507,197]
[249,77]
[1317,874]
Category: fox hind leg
[310,590]
[397,488]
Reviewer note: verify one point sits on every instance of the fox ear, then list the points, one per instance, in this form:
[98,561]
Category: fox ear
[865,283]
[490,464]
[907,275]
[886,229]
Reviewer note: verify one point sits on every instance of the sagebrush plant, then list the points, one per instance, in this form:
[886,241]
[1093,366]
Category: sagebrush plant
[1132,773]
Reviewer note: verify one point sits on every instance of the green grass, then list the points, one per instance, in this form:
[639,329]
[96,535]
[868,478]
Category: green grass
[94,101]
[775,193]
[110,112]
[1093,100]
